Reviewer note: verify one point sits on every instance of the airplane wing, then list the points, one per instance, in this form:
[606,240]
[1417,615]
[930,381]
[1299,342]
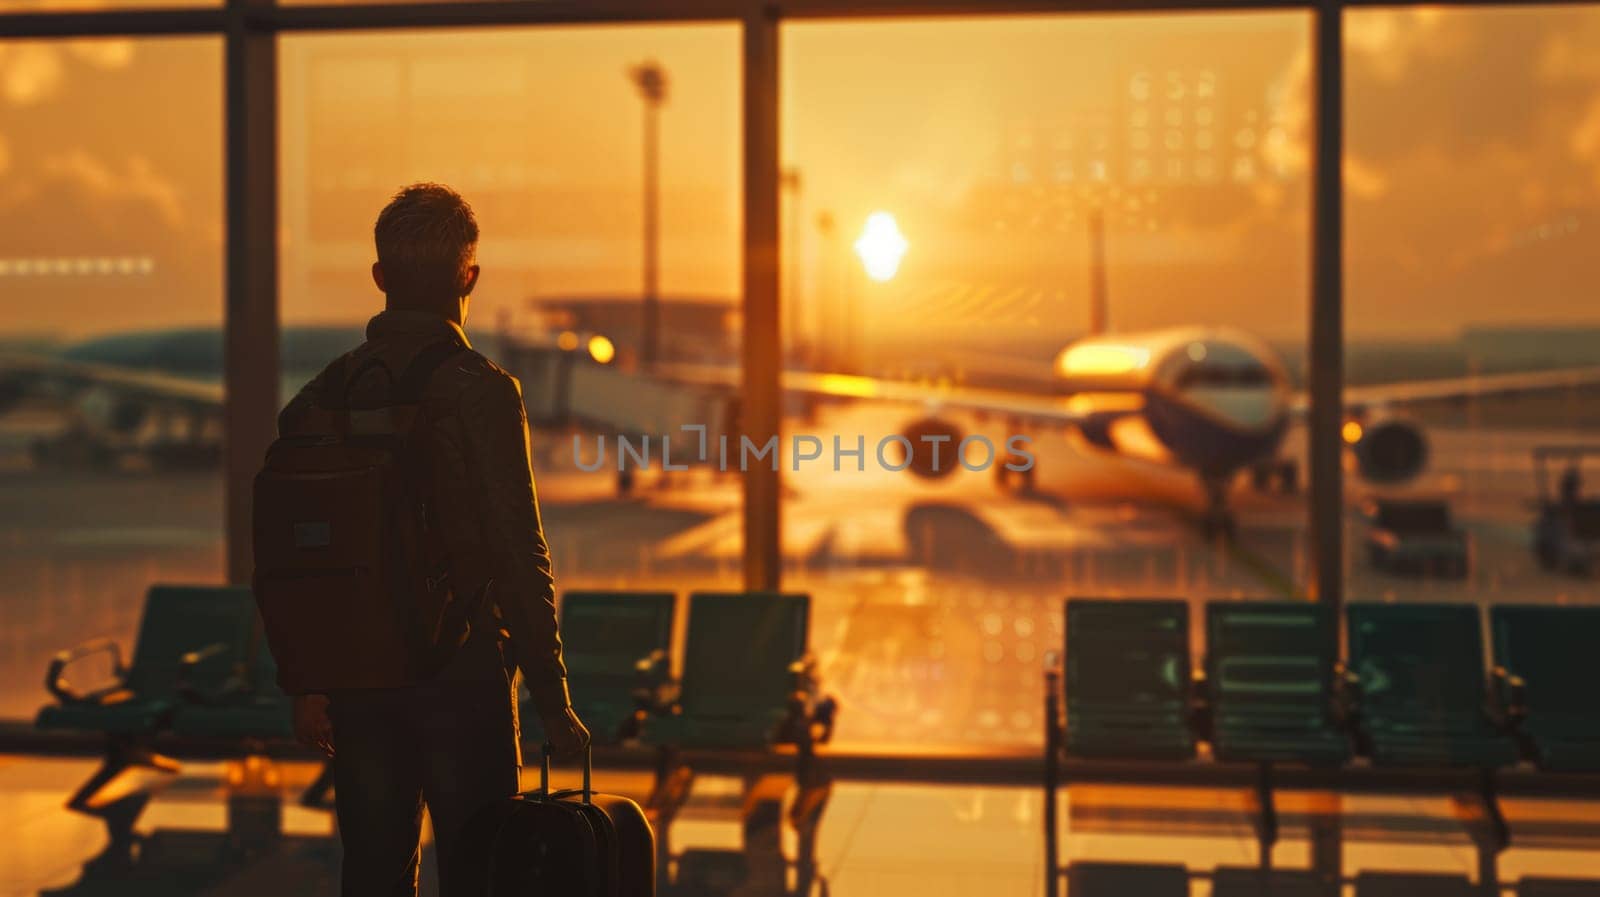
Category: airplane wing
[1080,410]
[1037,409]
[1359,399]
[27,373]
[1042,410]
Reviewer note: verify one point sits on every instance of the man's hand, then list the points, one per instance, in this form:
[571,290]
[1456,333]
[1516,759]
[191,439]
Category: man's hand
[312,725]
[566,734]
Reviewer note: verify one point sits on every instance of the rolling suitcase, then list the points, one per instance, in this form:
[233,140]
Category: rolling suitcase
[575,842]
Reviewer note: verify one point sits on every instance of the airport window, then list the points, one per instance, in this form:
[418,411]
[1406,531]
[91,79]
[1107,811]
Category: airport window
[543,131]
[1008,188]
[1053,289]
[110,259]
[1472,286]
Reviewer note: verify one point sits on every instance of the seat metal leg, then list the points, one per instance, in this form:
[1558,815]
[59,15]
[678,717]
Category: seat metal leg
[255,806]
[674,782]
[1327,842]
[761,822]
[316,794]
[1052,783]
[805,815]
[1484,821]
[122,754]
[1266,816]
[110,796]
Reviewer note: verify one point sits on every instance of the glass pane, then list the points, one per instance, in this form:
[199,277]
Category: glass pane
[1093,229]
[110,270]
[1471,257]
[542,131]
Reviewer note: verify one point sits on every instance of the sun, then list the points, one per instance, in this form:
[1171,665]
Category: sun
[881,246]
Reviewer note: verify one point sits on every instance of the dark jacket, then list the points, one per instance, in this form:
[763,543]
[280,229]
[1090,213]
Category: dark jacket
[483,492]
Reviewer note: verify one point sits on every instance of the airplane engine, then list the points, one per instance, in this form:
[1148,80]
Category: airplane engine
[12,392]
[928,436]
[1387,449]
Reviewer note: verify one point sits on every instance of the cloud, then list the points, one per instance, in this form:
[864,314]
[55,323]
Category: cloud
[29,72]
[33,72]
[1362,180]
[1388,42]
[105,53]
[138,183]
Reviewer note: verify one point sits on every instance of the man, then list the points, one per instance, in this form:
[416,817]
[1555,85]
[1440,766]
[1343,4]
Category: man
[451,742]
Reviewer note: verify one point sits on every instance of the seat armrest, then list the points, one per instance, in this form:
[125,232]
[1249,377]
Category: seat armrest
[655,693]
[1200,709]
[796,722]
[653,667]
[1508,697]
[659,697]
[55,679]
[823,717]
[1346,695]
[232,686]
[803,675]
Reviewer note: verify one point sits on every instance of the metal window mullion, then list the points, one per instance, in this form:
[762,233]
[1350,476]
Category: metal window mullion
[113,23]
[760,399]
[250,321]
[1326,367]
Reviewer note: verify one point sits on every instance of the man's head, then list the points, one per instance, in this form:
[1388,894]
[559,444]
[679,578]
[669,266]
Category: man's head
[427,241]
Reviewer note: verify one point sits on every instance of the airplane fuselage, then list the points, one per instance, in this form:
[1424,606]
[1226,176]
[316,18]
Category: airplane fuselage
[1213,400]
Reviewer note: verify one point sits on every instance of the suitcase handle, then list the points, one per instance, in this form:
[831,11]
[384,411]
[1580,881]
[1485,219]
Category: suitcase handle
[544,771]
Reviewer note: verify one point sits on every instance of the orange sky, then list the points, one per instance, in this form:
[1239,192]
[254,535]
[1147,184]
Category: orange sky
[1473,169]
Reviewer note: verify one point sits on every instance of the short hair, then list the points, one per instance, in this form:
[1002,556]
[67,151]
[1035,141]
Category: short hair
[427,238]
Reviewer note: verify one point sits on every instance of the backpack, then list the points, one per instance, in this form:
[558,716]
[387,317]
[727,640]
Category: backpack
[352,590]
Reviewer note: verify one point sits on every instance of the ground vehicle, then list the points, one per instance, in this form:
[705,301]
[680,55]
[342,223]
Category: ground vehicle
[1566,530]
[1415,535]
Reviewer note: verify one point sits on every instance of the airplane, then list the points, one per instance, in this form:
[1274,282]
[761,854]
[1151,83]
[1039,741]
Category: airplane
[1215,401]
[155,395]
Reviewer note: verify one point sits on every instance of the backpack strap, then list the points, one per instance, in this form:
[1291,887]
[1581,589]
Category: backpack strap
[408,389]
[336,383]
[373,362]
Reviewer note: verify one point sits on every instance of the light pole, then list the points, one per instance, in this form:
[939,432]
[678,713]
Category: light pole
[1098,301]
[790,180]
[828,303]
[651,79]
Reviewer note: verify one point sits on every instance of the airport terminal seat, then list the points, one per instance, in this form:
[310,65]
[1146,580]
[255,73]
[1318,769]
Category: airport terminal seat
[1545,672]
[1102,879]
[1533,886]
[744,655]
[1253,881]
[1127,680]
[177,620]
[617,647]
[1413,884]
[1421,698]
[1271,681]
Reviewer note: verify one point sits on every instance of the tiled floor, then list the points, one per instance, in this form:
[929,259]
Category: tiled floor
[877,840]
